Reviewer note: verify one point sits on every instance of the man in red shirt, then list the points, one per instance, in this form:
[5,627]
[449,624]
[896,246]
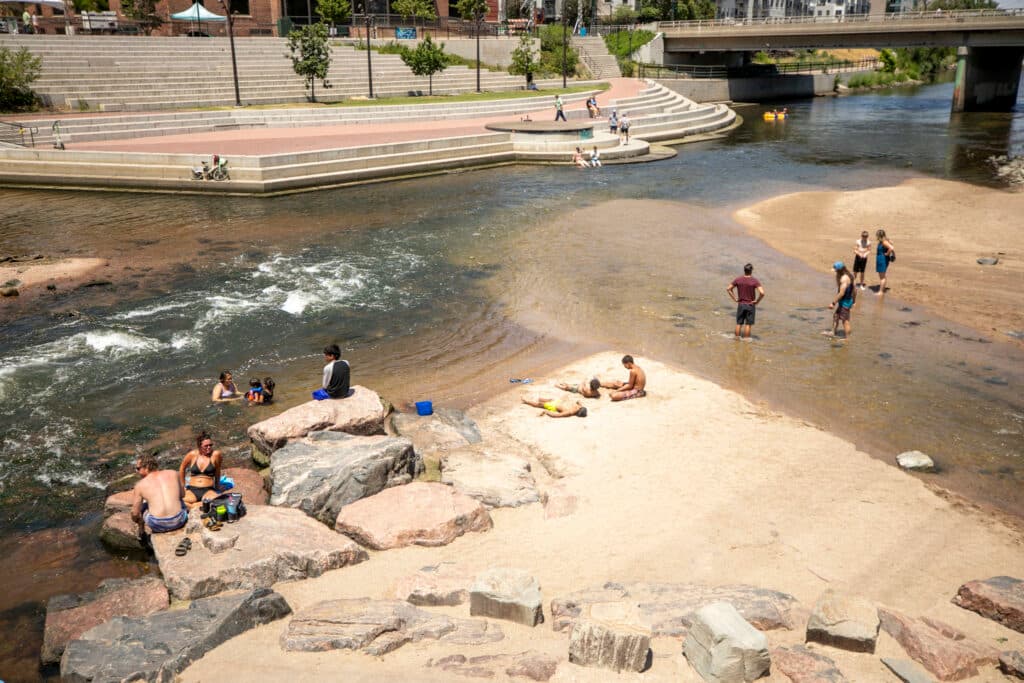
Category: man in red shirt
[742,291]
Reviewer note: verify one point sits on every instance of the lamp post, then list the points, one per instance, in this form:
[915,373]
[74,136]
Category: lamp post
[369,63]
[226,4]
[478,18]
[563,46]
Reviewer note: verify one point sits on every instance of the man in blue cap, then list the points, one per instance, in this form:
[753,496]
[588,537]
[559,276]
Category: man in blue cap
[846,297]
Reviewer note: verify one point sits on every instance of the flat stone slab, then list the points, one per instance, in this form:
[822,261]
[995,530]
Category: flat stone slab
[531,665]
[361,413]
[844,621]
[915,461]
[378,627]
[946,652]
[667,609]
[1000,598]
[419,513]
[157,647]
[441,584]
[273,544]
[494,478]
[325,471]
[724,648]
[802,665]
[446,430]
[503,593]
[69,616]
[609,645]
[907,671]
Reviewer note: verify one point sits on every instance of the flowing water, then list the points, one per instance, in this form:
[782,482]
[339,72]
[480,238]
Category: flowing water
[444,287]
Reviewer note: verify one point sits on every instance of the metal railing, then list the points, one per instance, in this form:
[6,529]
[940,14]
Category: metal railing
[754,70]
[14,133]
[932,16]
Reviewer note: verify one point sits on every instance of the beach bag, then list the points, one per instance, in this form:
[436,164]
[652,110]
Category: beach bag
[891,257]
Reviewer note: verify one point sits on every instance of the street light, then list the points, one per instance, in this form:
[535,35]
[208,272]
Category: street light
[369,63]
[478,18]
[226,4]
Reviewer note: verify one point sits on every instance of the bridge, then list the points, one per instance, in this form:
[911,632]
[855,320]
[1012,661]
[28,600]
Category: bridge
[990,44]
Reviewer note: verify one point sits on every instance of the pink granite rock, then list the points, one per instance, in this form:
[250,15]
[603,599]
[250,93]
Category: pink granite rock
[361,413]
[418,513]
[69,616]
[532,665]
[803,665]
[118,502]
[1000,598]
[949,659]
[119,531]
[249,483]
[442,584]
[1011,663]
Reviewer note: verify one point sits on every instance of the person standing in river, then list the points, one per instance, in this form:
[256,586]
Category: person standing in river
[845,298]
[884,255]
[861,250]
[745,288]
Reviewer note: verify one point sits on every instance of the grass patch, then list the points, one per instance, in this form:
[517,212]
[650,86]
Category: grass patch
[877,79]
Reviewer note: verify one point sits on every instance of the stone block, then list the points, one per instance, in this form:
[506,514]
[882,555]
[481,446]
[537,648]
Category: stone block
[619,647]
[724,648]
[511,594]
[844,621]
[1000,598]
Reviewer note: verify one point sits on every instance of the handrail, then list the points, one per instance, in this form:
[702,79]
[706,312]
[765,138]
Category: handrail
[752,70]
[19,130]
[913,17]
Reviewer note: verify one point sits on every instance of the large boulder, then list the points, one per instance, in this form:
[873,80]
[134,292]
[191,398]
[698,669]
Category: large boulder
[118,502]
[119,532]
[939,647]
[249,483]
[446,430]
[377,627]
[273,544]
[667,609]
[1011,663]
[844,621]
[326,471]
[69,616]
[724,648]
[157,647]
[361,413]
[536,666]
[441,584]
[609,645]
[502,593]
[494,478]
[802,665]
[1000,598]
[415,514]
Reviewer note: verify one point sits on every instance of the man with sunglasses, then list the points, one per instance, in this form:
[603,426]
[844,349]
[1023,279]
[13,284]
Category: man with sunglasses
[157,498]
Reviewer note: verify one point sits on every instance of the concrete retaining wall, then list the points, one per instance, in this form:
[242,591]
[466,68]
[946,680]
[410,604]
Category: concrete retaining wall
[756,89]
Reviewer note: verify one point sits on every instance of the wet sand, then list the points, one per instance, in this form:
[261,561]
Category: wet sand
[672,488]
[939,228]
[35,275]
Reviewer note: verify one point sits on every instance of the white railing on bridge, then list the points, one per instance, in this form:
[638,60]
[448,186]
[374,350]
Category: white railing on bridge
[901,17]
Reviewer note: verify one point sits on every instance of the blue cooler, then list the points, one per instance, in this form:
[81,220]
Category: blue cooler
[424,408]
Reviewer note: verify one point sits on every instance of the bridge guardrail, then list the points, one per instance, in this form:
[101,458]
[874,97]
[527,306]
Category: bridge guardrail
[753,70]
[937,15]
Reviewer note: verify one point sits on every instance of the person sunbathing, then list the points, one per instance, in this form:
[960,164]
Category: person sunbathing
[633,387]
[554,407]
[586,388]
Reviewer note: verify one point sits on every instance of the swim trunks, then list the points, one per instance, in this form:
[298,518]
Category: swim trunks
[842,313]
[633,393]
[159,525]
[551,406]
[745,314]
[859,263]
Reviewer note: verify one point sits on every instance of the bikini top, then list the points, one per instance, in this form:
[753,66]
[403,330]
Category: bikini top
[209,470]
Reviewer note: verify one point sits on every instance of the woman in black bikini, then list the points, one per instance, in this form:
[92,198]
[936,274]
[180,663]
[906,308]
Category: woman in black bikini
[203,467]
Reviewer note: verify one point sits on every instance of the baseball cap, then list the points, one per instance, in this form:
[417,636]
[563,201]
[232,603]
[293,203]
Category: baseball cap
[838,265]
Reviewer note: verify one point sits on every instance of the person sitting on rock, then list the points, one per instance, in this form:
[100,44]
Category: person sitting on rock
[336,375]
[203,467]
[554,407]
[586,388]
[157,498]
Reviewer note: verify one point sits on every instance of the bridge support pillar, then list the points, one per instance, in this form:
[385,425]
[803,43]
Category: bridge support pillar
[987,78]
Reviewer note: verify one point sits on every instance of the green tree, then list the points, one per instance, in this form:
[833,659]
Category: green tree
[623,16]
[310,55]
[143,12]
[946,5]
[90,6]
[18,70]
[426,60]
[551,37]
[475,10]
[334,12]
[524,58]
[419,9]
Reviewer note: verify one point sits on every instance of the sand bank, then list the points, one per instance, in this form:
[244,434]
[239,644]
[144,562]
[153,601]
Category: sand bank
[939,229]
[692,484]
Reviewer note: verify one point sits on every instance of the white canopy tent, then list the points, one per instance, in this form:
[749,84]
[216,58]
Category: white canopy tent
[197,13]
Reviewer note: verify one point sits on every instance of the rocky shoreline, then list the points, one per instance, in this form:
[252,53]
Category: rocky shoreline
[347,481]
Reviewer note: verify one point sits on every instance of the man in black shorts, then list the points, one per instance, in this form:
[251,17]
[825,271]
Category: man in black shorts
[861,251]
[742,291]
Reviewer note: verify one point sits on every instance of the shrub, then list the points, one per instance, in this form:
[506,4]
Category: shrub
[18,70]
[623,43]
[551,51]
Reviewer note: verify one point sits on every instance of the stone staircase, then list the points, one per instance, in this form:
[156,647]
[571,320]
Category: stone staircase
[112,73]
[594,53]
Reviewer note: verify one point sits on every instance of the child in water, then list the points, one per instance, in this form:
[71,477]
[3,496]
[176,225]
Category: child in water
[268,389]
[255,393]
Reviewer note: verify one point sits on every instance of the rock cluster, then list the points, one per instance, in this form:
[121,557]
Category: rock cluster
[377,627]
[535,666]
[157,647]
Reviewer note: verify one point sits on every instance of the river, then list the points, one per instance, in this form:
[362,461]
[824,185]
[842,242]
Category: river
[444,287]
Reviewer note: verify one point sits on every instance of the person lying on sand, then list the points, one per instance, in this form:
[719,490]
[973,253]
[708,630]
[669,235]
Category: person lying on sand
[586,388]
[554,407]
[632,387]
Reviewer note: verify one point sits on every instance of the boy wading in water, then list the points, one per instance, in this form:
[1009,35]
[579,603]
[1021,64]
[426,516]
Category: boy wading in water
[846,297]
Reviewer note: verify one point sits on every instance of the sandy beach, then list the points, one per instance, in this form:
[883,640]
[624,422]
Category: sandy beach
[939,228]
[692,484]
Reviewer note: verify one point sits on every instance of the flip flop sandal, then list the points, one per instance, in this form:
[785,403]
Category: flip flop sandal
[214,525]
[183,547]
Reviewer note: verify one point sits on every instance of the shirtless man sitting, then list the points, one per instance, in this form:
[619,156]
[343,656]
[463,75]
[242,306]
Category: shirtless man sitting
[554,407]
[156,499]
[586,388]
[632,387]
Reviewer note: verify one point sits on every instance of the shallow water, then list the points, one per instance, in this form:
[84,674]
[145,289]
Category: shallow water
[444,287]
